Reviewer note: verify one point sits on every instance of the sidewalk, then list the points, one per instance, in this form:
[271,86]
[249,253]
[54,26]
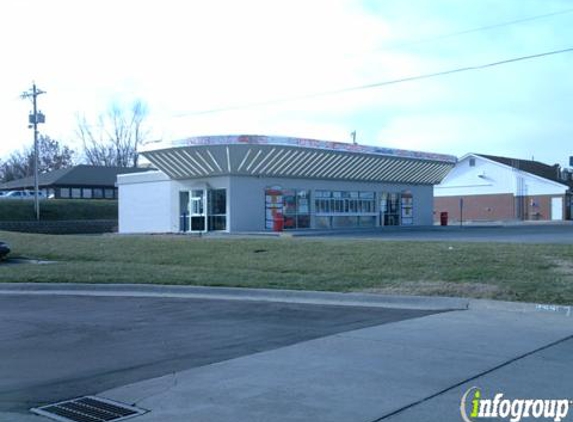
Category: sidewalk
[412,370]
[373,374]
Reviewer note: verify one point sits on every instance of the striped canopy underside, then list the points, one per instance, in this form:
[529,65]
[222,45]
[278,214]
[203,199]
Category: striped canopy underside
[293,162]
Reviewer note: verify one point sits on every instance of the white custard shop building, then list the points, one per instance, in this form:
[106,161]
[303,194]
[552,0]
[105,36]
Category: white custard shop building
[257,183]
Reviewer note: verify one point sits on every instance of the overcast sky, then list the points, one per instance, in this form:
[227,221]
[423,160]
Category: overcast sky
[185,57]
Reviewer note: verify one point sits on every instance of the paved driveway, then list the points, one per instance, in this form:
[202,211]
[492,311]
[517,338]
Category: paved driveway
[58,347]
[522,233]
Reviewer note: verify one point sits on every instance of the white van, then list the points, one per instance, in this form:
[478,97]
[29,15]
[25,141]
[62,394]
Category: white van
[22,194]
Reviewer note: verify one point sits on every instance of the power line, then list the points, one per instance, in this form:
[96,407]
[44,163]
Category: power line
[473,30]
[456,34]
[375,85]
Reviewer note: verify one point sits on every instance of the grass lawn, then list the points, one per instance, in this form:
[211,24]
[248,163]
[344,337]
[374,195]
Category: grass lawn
[531,273]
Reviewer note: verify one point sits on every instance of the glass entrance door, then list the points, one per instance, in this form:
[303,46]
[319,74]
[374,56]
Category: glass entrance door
[197,214]
[184,222]
[389,209]
[202,210]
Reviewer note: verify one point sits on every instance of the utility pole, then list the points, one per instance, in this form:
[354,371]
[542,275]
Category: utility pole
[33,120]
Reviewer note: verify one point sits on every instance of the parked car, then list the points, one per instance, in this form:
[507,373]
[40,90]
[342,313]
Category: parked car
[4,249]
[22,194]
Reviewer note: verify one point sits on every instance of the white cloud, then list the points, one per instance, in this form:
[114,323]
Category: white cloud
[185,56]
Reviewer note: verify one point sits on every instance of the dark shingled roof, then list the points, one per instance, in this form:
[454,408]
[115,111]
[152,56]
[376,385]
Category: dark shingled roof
[81,175]
[537,168]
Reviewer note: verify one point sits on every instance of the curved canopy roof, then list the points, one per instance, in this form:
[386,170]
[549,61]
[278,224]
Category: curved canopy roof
[266,156]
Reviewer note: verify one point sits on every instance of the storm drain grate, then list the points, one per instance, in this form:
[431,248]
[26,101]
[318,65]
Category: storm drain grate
[88,409]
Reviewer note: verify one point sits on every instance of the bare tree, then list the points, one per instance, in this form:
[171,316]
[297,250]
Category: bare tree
[52,156]
[17,166]
[115,138]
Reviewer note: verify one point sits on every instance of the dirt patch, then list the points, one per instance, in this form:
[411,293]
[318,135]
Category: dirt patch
[563,266]
[442,288]
[17,261]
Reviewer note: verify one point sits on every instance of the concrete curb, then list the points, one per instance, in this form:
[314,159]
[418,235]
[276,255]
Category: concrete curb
[380,231]
[497,305]
[237,293]
[434,303]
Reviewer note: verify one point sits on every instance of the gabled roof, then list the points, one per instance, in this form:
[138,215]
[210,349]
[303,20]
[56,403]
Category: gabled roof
[81,175]
[536,168]
[269,156]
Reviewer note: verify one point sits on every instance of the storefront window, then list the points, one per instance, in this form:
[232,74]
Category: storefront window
[396,208]
[407,203]
[217,216]
[289,202]
[302,202]
[302,209]
[184,221]
[273,206]
[197,210]
[290,205]
[340,209]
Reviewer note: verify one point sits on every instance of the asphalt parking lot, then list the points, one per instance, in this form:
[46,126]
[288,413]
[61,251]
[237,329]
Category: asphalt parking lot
[184,354]
[516,233]
[58,347]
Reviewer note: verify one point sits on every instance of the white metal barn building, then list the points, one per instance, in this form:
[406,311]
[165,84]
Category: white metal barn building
[492,188]
[257,183]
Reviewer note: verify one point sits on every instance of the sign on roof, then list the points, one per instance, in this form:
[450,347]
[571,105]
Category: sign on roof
[300,142]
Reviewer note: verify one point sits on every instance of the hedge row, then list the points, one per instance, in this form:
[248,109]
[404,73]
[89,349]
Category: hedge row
[61,227]
[58,209]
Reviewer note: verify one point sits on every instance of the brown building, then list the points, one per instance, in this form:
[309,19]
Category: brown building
[77,182]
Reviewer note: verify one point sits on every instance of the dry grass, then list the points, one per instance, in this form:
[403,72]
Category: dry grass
[444,288]
[563,266]
[526,272]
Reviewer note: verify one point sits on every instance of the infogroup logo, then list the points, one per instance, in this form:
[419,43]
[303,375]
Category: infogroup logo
[474,406]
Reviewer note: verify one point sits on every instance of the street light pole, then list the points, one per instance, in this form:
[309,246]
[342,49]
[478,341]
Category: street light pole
[34,119]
